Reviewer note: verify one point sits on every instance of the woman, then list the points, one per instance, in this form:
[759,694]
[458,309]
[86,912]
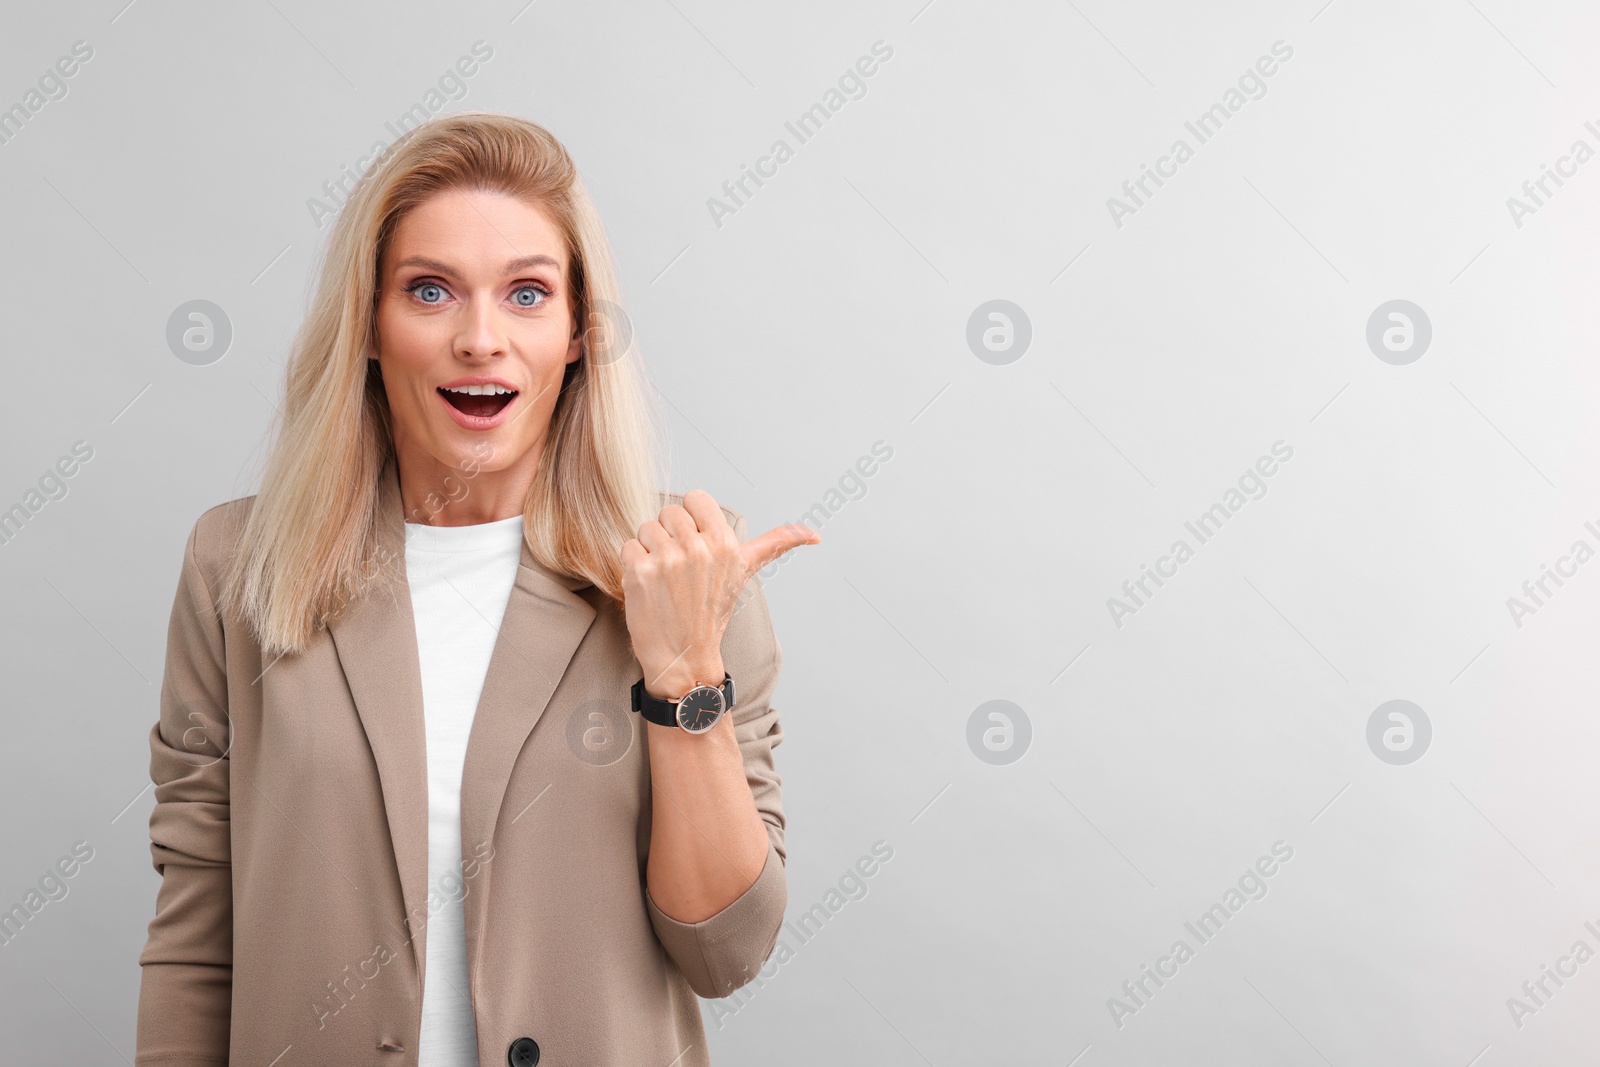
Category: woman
[465,744]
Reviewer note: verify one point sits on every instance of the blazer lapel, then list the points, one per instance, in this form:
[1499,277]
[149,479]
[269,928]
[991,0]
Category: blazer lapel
[376,640]
[545,621]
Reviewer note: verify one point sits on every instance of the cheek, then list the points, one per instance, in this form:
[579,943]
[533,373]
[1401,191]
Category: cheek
[546,339]
[406,346]
[397,334]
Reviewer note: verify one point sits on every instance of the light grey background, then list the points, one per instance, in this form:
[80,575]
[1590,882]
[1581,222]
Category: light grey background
[830,312]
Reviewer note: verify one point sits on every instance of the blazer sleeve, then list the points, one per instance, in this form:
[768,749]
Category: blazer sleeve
[186,978]
[719,954]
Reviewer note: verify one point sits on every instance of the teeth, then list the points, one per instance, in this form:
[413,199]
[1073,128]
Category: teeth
[478,390]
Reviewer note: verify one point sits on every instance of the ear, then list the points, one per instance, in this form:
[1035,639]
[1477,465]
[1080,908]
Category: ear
[575,347]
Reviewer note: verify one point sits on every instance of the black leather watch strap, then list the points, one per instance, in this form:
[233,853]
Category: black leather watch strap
[665,712]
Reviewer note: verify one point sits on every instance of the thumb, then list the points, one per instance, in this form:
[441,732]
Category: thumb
[760,551]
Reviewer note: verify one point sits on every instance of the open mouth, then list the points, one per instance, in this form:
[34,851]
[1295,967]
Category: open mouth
[479,402]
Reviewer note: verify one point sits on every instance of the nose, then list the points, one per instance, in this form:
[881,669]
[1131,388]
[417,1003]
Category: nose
[482,334]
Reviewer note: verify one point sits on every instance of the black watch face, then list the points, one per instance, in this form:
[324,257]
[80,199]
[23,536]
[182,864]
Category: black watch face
[700,709]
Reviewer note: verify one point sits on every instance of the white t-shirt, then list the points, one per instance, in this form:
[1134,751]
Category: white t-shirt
[461,579]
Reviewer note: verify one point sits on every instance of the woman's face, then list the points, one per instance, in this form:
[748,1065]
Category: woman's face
[473,292]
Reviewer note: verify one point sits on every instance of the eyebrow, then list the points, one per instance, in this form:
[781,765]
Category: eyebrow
[513,265]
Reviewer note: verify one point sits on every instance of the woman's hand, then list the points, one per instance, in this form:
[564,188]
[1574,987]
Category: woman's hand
[681,578]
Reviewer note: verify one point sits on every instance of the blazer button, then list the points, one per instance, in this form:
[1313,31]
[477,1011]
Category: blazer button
[524,1052]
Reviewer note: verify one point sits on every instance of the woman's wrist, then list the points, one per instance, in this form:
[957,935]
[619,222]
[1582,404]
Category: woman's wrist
[675,681]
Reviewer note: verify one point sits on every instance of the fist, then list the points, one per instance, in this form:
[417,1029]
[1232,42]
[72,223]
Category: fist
[681,577]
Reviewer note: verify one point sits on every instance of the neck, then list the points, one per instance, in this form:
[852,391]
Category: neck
[438,494]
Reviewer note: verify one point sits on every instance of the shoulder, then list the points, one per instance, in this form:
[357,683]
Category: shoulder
[215,538]
[734,516]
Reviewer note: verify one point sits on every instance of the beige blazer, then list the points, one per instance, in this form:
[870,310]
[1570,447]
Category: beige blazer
[290,833]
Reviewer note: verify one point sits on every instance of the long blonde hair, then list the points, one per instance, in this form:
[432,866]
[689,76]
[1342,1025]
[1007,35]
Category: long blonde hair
[309,545]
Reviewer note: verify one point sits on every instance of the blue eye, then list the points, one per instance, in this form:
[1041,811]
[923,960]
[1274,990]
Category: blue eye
[432,293]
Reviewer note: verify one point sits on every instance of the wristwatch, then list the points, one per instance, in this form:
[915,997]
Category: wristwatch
[695,712]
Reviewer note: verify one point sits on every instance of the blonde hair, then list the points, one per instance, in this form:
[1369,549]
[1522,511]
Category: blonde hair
[309,545]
